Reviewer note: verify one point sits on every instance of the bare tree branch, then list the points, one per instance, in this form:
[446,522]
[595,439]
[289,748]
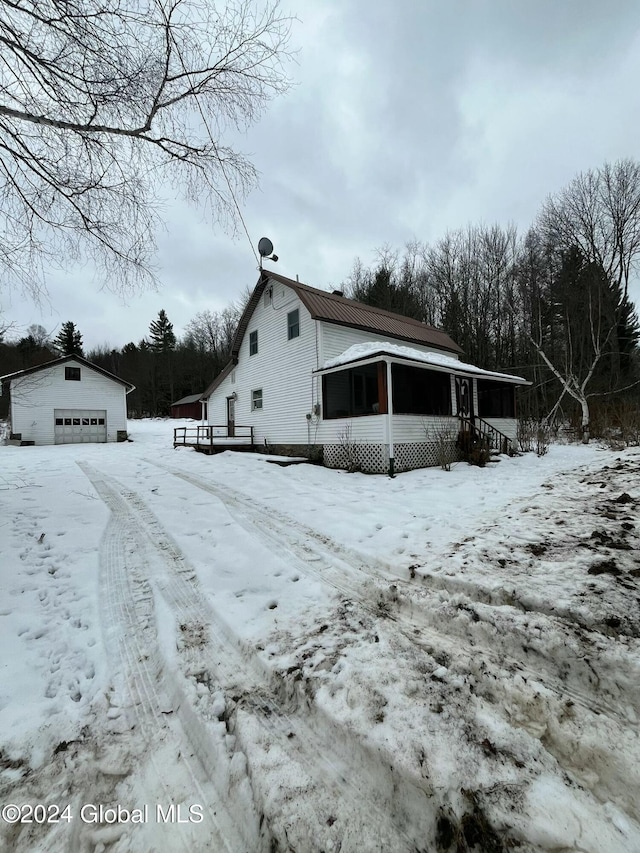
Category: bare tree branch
[102,106]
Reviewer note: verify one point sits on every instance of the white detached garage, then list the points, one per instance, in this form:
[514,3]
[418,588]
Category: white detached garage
[67,401]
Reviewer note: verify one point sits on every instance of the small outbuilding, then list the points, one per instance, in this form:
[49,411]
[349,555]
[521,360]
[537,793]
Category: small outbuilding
[192,406]
[67,401]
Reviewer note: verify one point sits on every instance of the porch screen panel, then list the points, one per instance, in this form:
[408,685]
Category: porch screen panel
[420,392]
[496,399]
[351,393]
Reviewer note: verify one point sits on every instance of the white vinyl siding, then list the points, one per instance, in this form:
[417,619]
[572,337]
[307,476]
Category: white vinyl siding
[337,339]
[35,398]
[281,368]
[507,426]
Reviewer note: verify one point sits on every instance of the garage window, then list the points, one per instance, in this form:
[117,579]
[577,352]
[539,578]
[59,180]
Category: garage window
[72,373]
[59,421]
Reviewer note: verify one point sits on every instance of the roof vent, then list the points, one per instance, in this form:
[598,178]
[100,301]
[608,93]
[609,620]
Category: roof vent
[338,293]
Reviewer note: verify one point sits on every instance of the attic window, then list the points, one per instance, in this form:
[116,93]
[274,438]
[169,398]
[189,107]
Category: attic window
[253,342]
[293,324]
[72,373]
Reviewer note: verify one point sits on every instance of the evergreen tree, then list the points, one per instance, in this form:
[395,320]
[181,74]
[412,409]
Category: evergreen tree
[162,338]
[69,340]
[162,344]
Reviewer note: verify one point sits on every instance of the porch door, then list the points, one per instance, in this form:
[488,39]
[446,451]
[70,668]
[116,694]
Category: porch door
[231,417]
[464,397]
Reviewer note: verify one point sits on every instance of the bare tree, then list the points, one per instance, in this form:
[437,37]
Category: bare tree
[104,104]
[596,218]
[599,211]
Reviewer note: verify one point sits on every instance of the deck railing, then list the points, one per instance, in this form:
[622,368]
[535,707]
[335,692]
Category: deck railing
[211,434]
[481,429]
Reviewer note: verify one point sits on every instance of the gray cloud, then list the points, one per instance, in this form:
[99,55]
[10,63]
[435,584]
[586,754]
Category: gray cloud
[407,119]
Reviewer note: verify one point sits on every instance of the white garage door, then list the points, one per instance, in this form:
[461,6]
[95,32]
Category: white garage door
[73,426]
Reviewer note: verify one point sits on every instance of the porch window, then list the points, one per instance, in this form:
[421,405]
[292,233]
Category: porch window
[256,399]
[420,392]
[72,373]
[351,393]
[496,399]
[293,324]
[253,342]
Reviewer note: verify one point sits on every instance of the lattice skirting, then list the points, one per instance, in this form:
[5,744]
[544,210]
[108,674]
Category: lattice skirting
[425,454]
[370,458]
[374,458]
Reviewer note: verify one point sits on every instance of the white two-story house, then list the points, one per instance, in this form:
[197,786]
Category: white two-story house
[317,375]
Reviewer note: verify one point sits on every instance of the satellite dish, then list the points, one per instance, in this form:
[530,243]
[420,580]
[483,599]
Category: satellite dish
[265,247]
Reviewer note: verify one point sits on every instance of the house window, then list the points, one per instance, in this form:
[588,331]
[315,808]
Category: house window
[496,399]
[72,373]
[351,393]
[293,324]
[253,342]
[420,392]
[256,399]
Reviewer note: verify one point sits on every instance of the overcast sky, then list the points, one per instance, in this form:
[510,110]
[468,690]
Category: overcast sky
[408,118]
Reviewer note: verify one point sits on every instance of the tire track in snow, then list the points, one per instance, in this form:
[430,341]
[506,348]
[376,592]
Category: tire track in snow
[533,699]
[333,563]
[131,640]
[237,670]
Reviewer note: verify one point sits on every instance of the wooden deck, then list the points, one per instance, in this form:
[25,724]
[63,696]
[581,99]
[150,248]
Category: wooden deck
[212,438]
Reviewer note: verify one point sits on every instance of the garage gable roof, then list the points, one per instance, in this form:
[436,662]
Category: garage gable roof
[9,376]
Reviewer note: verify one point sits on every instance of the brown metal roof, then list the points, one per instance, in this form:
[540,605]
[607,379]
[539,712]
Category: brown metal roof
[192,398]
[332,308]
[9,376]
[226,370]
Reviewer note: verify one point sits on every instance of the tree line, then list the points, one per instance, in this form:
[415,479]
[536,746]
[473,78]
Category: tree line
[551,305]
[163,367]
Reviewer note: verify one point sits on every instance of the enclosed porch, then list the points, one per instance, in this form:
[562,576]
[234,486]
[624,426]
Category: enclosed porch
[395,409]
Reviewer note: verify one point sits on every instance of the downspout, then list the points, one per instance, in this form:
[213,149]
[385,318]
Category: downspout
[390,420]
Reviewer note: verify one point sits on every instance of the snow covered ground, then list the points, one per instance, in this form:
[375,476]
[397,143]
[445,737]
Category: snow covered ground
[219,653]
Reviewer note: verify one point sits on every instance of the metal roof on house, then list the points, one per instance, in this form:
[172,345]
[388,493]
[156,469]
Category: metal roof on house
[226,370]
[9,376]
[333,308]
[192,398]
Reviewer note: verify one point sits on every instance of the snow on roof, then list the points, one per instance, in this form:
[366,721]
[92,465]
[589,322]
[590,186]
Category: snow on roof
[357,352]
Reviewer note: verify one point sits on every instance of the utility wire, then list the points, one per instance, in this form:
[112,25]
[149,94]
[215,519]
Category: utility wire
[222,168]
